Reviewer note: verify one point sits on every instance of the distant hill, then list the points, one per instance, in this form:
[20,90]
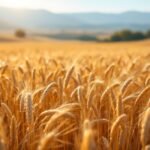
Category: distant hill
[45,20]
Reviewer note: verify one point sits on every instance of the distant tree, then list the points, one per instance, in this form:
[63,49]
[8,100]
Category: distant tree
[148,34]
[20,33]
[138,36]
[116,37]
[127,35]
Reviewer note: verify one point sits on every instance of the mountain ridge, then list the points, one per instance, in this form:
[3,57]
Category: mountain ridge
[43,19]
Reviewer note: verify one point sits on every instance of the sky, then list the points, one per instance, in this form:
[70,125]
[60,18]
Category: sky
[80,5]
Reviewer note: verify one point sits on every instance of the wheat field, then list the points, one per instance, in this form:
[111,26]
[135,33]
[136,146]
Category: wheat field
[74,96]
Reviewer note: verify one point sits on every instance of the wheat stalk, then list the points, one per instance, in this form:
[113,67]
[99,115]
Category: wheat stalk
[145,129]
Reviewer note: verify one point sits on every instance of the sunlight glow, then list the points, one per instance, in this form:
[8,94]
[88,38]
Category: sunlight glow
[14,3]
[79,5]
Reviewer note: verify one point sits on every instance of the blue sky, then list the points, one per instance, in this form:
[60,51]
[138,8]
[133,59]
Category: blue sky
[80,5]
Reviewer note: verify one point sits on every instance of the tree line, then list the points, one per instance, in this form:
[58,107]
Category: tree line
[127,35]
[124,35]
